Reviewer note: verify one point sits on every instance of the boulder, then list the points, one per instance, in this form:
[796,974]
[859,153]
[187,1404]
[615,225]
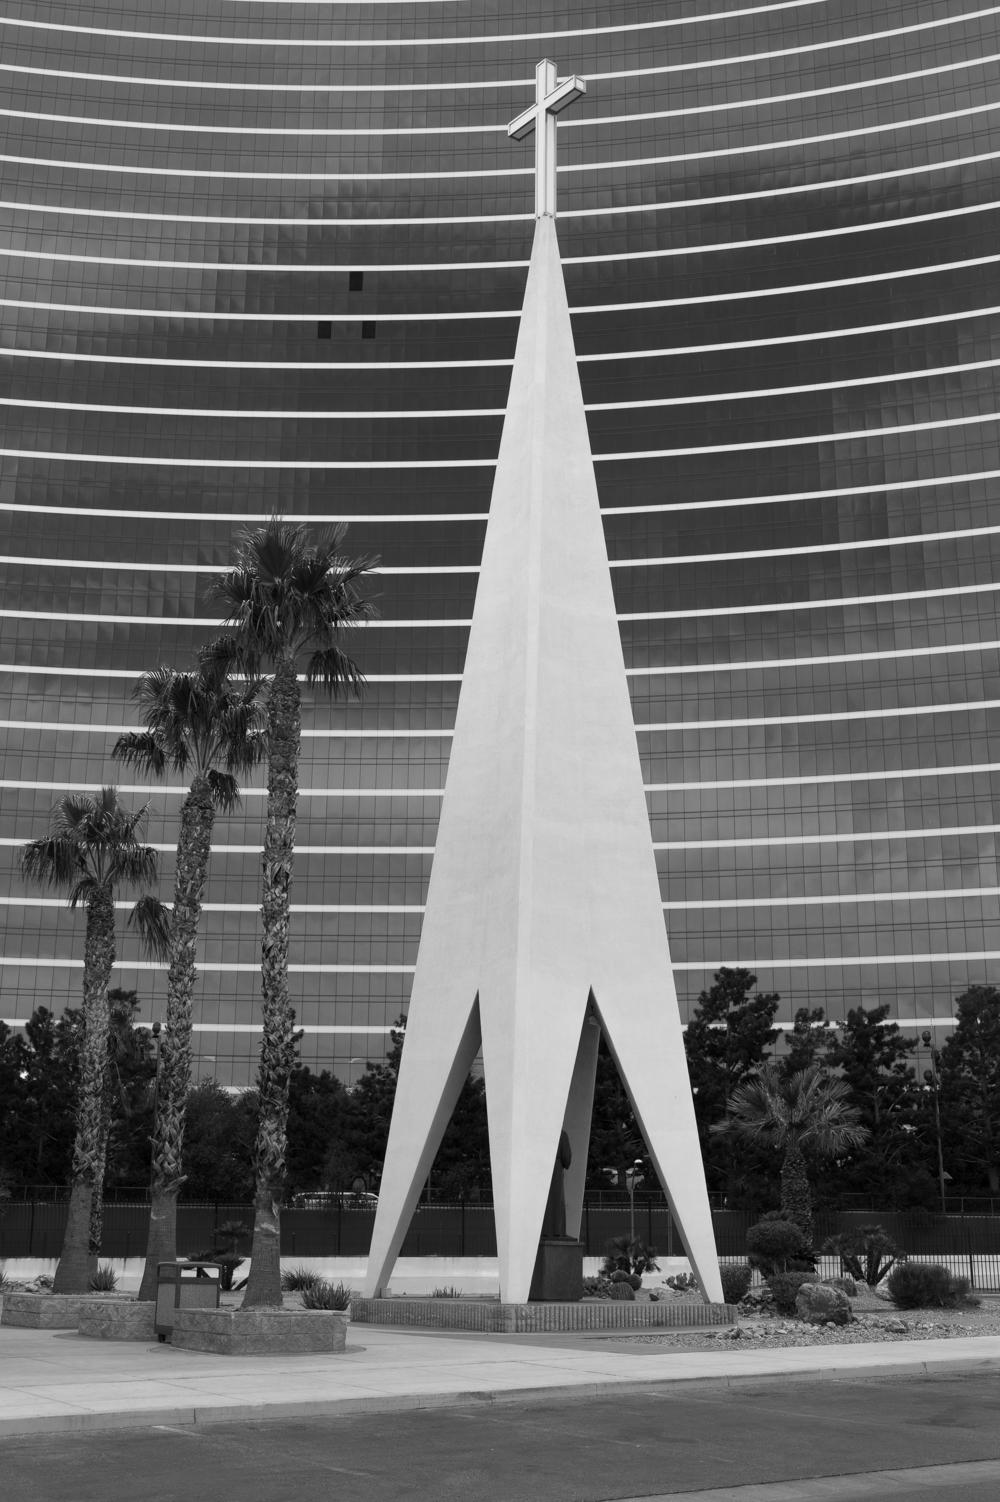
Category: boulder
[819,1305]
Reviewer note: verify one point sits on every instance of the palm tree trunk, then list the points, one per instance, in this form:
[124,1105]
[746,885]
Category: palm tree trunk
[278,1043]
[796,1196]
[73,1272]
[194,847]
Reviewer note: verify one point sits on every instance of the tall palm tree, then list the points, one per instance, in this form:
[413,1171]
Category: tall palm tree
[206,727]
[808,1111]
[92,848]
[288,601]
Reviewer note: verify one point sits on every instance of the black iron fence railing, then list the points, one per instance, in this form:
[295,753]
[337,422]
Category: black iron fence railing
[969,1244]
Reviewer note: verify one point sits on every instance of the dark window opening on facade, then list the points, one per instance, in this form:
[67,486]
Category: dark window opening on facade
[355,281]
[324,330]
[368,331]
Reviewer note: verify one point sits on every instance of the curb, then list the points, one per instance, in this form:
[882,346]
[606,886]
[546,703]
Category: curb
[193,1416]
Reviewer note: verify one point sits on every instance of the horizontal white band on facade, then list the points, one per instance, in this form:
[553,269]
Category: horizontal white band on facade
[783,607]
[915,539]
[366,43]
[293,414]
[851,837]
[896,712]
[907,774]
[891,274]
[376,909]
[841,962]
[610,210]
[393,732]
[839,232]
[781,498]
[169,847]
[831,659]
[331,733]
[624,456]
[755,148]
[506,86]
[433,570]
[173,790]
[708,669]
[775,608]
[208,966]
[852,899]
[11,352]
[723,784]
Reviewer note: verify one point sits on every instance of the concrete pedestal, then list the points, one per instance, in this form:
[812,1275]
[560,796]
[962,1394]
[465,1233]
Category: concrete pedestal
[558,1274]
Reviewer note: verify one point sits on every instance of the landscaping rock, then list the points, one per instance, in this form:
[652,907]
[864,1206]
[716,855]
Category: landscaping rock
[819,1305]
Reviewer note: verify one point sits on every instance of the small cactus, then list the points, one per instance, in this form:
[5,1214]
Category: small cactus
[622,1291]
[620,1276]
[635,1282]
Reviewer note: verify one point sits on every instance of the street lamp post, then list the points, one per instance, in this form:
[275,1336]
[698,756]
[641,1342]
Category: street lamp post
[933,1079]
[631,1175]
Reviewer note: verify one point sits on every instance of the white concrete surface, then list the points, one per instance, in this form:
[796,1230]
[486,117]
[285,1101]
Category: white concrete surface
[543,911]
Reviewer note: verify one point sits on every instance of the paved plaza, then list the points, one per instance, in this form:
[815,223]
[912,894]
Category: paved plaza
[57,1381]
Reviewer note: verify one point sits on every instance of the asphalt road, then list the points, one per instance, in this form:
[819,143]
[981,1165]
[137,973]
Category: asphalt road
[907,1438]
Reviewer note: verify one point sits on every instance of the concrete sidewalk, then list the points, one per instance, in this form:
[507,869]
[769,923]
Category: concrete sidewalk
[58,1381]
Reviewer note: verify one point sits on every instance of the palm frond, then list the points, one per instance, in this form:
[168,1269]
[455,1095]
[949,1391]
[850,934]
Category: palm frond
[225,790]
[151,920]
[338,673]
[137,865]
[52,862]
[138,748]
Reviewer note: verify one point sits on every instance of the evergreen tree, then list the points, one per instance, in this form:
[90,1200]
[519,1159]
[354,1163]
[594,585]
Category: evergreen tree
[970,1091]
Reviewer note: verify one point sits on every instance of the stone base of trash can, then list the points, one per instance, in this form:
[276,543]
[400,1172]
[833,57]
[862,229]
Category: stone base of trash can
[259,1332]
[125,1320]
[50,1311]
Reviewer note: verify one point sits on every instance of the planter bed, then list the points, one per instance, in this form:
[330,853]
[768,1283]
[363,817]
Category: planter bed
[53,1311]
[260,1332]
[524,1319]
[122,1319]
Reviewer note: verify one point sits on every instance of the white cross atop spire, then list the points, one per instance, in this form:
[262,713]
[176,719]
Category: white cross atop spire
[551,98]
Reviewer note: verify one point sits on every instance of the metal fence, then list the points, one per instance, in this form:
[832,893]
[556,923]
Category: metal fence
[969,1244]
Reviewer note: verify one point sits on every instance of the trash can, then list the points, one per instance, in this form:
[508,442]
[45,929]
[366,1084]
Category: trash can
[184,1285]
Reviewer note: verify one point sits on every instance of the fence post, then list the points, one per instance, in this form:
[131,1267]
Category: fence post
[31,1227]
[462,1236]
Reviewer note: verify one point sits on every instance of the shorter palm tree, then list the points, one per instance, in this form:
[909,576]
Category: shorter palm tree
[804,1113]
[92,849]
[208,728]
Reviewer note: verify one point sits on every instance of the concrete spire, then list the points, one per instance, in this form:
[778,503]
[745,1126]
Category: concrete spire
[543,913]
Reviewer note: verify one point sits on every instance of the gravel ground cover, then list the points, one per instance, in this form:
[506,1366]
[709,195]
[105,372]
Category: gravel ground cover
[869,1326]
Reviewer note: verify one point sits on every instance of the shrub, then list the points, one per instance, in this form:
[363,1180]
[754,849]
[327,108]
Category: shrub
[621,1291]
[777,1246]
[682,1282]
[297,1278]
[447,1293]
[784,1288]
[326,1296]
[597,1288]
[866,1253]
[735,1281]
[223,1251]
[623,1254]
[104,1280]
[927,1285]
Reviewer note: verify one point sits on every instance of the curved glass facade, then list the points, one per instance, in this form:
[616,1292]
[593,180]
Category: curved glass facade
[269,254]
